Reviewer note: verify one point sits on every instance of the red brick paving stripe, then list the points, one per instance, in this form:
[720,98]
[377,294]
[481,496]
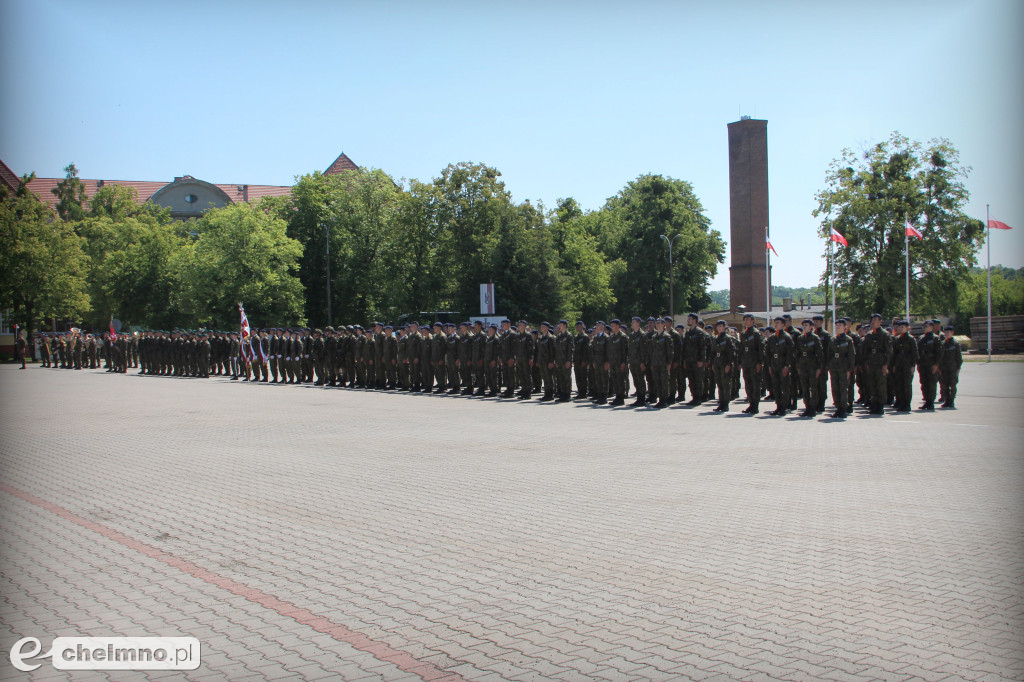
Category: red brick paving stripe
[379,650]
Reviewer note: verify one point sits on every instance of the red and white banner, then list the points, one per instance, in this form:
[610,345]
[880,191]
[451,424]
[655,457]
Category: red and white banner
[113,332]
[838,238]
[487,299]
[245,322]
[768,247]
[996,225]
[912,231]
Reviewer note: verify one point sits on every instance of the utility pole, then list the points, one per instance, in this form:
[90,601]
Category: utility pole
[327,232]
[671,276]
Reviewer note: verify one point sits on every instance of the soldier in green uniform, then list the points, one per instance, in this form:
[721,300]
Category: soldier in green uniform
[415,348]
[905,357]
[438,356]
[546,361]
[751,351]
[659,358]
[509,350]
[638,362]
[795,389]
[841,358]
[723,359]
[618,363]
[826,340]
[929,350]
[580,352]
[810,357]
[477,359]
[316,351]
[949,367]
[563,362]
[203,353]
[694,356]
[524,361]
[710,382]
[452,340]
[779,353]
[492,360]
[676,382]
[426,373]
[877,348]
[465,358]
[390,358]
[535,371]
[402,357]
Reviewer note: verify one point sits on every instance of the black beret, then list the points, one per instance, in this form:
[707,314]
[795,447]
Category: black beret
[787,316]
[535,332]
[581,323]
[818,317]
[388,326]
[616,321]
[746,315]
[521,322]
[680,326]
[691,316]
[506,321]
[636,318]
[546,324]
[667,318]
[565,322]
[948,328]
[876,316]
[721,322]
[650,319]
[492,326]
[438,324]
[806,321]
[599,322]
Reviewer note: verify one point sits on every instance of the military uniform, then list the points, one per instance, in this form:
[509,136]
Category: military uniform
[580,351]
[905,358]
[639,359]
[877,349]
[810,358]
[492,360]
[841,359]
[564,348]
[780,352]
[949,370]
[694,356]
[546,361]
[660,354]
[524,363]
[723,359]
[826,340]
[929,350]
[751,351]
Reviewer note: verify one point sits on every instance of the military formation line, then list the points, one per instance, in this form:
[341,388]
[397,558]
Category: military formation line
[870,365]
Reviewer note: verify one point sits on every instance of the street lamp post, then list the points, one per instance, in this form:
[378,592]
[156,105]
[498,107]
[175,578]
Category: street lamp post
[671,276]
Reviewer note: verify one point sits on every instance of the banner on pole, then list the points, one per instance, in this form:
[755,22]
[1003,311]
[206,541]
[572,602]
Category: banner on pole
[487,298]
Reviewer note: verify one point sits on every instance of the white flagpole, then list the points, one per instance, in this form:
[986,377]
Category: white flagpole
[906,249]
[832,278]
[988,267]
[767,279]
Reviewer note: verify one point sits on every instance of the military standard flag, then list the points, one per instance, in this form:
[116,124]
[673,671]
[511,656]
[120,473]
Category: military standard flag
[245,322]
[912,231]
[113,332]
[838,238]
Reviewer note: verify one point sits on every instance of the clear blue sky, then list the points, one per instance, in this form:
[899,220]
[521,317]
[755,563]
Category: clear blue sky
[564,98]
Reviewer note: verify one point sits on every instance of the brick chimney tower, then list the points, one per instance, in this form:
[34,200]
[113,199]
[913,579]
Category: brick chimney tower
[748,212]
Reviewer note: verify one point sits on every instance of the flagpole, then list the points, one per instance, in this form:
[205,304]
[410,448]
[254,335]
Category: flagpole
[767,279]
[988,267]
[906,249]
[832,279]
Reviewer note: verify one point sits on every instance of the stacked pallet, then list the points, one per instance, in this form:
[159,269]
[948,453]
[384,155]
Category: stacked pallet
[1007,333]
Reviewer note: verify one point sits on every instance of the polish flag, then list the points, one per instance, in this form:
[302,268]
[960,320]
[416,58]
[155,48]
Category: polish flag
[996,225]
[113,333]
[912,231]
[768,247]
[836,237]
[245,322]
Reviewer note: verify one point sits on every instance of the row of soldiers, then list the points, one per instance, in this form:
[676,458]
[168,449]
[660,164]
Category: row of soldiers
[78,350]
[661,360]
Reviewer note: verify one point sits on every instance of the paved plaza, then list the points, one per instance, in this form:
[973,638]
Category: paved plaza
[309,533]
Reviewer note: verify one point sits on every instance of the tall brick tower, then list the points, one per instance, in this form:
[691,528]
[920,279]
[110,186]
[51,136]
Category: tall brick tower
[748,212]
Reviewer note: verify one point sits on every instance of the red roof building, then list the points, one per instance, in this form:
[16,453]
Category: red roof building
[186,196]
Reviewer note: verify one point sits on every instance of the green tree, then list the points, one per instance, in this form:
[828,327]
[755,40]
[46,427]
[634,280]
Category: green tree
[70,193]
[648,207]
[241,253]
[42,264]
[868,198]
[587,289]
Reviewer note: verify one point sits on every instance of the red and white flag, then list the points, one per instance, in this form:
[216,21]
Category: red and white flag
[996,225]
[113,332]
[245,322]
[912,231]
[768,247]
[836,237]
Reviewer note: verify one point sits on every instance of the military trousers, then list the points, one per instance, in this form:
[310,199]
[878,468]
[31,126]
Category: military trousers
[780,387]
[840,390]
[639,381]
[876,382]
[904,385]
[752,385]
[440,375]
[723,381]
[659,388]
[809,387]
[948,380]
[582,376]
[929,382]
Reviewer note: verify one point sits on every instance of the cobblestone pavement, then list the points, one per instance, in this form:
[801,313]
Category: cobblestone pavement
[311,533]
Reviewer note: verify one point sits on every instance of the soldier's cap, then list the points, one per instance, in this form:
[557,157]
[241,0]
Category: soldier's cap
[926,322]
[658,320]
[535,332]
[787,316]
[680,326]
[667,318]
[805,321]
[779,318]
[876,316]
[318,331]
[438,324]
[750,315]
[522,322]
[359,327]
[581,323]
[841,321]
[463,324]
[377,324]
[492,326]
[590,331]
[388,326]
[478,322]
[414,323]
[616,321]
[330,329]
[650,319]
[506,321]
[888,329]
[948,328]
[636,318]
[599,322]
[818,318]
[692,316]
[936,321]
[565,322]
[546,324]
[721,323]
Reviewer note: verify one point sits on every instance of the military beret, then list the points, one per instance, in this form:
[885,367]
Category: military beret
[565,322]
[876,316]
[580,323]
[535,332]
[438,324]
[721,323]
[787,316]
[779,318]
[478,322]
[841,321]
[616,321]
[463,324]
[948,328]
[692,316]
[636,318]
[546,324]
[521,322]
[818,317]
[492,326]
[388,326]
[667,318]
[650,319]
[806,321]
[318,331]
[359,327]
[750,315]
[506,321]
[680,326]
[414,322]
[330,329]
[599,322]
